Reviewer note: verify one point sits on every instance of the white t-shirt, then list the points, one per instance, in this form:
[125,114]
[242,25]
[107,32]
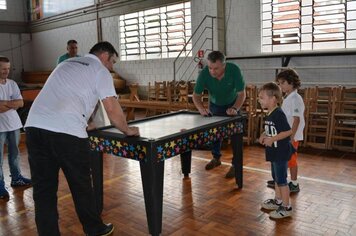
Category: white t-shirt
[293,106]
[69,96]
[9,120]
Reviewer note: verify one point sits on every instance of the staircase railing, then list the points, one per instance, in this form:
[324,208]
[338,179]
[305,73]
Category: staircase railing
[185,67]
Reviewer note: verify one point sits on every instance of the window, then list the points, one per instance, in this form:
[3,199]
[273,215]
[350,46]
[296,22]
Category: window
[295,25]
[155,33]
[55,7]
[2,4]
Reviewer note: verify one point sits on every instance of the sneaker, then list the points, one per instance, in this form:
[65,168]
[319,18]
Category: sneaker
[231,173]
[108,230]
[3,192]
[293,188]
[20,182]
[271,204]
[270,183]
[212,164]
[281,212]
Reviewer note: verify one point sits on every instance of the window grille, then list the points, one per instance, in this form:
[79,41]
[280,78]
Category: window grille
[3,5]
[294,25]
[155,33]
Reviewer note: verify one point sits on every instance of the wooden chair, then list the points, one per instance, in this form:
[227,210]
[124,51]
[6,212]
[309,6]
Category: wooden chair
[318,106]
[130,111]
[161,91]
[343,122]
[250,107]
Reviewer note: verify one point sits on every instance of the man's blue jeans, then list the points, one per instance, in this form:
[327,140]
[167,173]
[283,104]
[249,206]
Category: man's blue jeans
[11,139]
[218,111]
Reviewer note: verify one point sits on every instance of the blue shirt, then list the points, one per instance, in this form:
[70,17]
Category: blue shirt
[275,123]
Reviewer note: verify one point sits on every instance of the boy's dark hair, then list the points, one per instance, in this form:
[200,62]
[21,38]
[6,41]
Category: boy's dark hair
[103,47]
[272,90]
[291,76]
[4,59]
[216,56]
[71,41]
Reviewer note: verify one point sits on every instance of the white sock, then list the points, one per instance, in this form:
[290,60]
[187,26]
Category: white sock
[294,182]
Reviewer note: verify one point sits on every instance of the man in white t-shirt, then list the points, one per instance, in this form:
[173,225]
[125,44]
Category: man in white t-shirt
[57,137]
[10,124]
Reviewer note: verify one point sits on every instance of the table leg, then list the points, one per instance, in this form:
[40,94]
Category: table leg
[237,160]
[152,174]
[96,162]
[186,162]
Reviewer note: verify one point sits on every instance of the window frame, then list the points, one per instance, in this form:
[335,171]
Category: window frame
[308,25]
[155,33]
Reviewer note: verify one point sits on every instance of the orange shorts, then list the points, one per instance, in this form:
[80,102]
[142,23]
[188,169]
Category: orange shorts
[293,159]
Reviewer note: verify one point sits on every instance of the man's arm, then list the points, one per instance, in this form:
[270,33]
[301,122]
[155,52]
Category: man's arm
[199,104]
[241,96]
[117,116]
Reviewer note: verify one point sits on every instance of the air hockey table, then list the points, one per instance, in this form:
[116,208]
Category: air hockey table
[161,138]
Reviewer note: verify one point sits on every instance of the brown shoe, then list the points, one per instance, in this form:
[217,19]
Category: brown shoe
[212,164]
[231,173]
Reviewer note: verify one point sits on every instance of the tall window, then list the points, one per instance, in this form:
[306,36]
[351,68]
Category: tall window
[54,7]
[293,25]
[156,33]
[2,4]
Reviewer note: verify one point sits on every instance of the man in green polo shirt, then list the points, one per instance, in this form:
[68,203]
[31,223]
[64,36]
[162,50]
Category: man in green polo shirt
[226,87]
[72,50]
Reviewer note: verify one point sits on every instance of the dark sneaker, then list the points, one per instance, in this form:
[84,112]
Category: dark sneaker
[270,183]
[212,164]
[281,212]
[20,182]
[231,173]
[293,188]
[3,192]
[108,230]
[270,204]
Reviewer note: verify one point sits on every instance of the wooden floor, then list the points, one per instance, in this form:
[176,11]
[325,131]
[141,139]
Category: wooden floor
[207,203]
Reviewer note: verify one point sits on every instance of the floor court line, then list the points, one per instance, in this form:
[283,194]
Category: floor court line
[299,177]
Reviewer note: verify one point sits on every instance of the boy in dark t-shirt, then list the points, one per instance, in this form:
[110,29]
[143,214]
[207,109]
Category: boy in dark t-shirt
[276,138]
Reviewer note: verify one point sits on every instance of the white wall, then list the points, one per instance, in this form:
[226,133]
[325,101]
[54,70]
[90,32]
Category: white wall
[243,38]
[49,45]
[16,11]
[15,46]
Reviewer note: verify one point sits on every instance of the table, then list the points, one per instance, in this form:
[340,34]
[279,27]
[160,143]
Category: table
[162,138]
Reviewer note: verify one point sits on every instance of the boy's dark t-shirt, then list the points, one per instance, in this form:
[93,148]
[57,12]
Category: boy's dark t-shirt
[275,123]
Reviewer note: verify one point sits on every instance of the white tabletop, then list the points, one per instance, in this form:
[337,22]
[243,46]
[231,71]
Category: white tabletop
[168,125]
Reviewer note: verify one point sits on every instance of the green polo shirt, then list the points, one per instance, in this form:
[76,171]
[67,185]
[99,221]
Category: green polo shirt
[64,57]
[221,92]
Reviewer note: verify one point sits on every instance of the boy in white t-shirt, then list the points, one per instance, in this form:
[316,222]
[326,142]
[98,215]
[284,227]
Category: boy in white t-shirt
[10,124]
[293,107]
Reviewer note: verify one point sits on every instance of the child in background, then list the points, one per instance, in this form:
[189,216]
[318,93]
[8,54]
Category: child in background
[276,139]
[293,107]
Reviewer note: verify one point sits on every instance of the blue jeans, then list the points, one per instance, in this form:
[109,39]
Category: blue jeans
[11,139]
[279,172]
[218,111]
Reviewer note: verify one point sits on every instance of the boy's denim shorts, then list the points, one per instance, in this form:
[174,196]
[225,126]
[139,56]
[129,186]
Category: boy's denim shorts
[279,172]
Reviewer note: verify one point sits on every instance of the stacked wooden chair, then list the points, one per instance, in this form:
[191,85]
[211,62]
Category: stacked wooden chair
[250,107]
[318,110]
[343,120]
